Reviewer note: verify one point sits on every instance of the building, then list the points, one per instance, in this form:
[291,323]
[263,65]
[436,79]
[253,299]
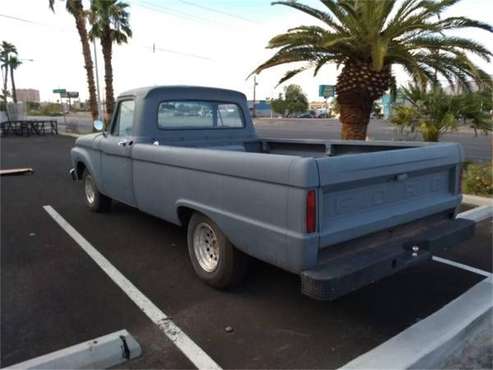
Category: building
[263,108]
[315,105]
[27,95]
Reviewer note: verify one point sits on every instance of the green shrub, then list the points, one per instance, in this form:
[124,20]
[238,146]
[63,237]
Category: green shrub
[478,179]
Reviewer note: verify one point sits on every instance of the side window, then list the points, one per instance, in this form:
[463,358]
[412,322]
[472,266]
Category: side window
[124,119]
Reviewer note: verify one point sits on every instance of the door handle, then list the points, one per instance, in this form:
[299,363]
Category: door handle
[125,142]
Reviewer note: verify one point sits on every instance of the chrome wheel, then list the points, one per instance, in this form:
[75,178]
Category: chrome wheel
[206,247]
[89,189]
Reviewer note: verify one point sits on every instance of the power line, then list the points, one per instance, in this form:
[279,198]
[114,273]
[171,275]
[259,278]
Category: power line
[168,11]
[171,51]
[24,20]
[175,13]
[216,11]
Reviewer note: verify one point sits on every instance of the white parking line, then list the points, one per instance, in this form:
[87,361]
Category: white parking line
[189,348]
[462,266]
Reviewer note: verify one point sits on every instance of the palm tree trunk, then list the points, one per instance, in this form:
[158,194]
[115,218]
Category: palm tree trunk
[5,81]
[4,92]
[80,22]
[355,116]
[107,46]
[358,86]
[12,81]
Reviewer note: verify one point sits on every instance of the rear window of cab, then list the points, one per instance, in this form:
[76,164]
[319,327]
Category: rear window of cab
[199,114]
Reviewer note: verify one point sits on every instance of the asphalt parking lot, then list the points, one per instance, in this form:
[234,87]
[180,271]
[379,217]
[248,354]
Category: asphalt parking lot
[53,295]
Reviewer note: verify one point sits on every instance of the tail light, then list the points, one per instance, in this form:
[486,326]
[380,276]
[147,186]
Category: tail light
[311,212]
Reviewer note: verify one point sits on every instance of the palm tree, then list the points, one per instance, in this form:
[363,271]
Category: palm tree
[76,8]
[110,23]
[367,38]
[13,63]
[6,50]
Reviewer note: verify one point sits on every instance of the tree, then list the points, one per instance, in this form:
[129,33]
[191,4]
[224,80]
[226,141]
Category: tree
[294,101]
[367,38]
[6,50]
[404,118]
[475,109]
[76,8]
[13,63]
[432,111]
[110,23]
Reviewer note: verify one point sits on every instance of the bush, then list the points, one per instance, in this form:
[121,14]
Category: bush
[478,179]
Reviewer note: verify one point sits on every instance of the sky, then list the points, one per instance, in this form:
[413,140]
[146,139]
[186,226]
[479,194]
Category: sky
[196,42]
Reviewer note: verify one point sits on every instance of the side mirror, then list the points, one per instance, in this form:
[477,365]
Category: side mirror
[98,125]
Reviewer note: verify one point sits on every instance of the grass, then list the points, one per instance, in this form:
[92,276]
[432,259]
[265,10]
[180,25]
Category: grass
[478,179]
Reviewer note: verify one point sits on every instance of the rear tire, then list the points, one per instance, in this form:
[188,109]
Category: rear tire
[96,201]
[215,260]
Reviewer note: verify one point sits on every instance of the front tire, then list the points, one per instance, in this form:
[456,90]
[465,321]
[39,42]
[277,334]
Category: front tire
[96,201]
[215,260]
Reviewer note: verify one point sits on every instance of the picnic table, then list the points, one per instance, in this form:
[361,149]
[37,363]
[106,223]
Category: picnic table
[29,127]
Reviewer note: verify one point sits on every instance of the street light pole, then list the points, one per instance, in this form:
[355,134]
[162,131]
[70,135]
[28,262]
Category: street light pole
[254,111]
[98,97]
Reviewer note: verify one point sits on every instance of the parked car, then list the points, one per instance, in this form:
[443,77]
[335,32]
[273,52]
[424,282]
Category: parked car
[306,115]
[340,214]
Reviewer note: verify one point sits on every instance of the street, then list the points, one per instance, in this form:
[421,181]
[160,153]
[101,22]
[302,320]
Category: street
[475,148]
[53,295]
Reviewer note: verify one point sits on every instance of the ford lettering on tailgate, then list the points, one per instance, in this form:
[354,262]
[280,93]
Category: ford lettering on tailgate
[399,188]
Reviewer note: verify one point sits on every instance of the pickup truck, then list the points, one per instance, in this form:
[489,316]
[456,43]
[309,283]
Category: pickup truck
[340,214]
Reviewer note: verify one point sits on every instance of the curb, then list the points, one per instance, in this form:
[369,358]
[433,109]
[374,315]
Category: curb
[429,342]
[69,134]
[477,200]
[99,353]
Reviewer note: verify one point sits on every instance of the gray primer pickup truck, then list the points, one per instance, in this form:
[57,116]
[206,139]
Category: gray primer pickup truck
[340,214]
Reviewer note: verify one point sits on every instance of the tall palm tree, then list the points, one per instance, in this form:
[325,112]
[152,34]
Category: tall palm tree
[6,49]
[110,23]
[76,8]
[13,63]
[367,38]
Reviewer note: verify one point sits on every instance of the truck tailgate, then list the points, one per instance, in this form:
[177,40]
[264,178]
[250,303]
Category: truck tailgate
[364,193]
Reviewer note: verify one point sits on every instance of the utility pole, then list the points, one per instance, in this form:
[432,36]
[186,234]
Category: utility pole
[98,96]
[254,111]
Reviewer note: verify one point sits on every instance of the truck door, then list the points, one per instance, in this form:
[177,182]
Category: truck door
[116,150]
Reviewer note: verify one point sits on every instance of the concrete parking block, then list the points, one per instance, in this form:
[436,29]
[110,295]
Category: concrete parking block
[100,353]
[426,344]
[478,214]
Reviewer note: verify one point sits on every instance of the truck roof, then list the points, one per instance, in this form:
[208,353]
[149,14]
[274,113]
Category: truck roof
[166,89]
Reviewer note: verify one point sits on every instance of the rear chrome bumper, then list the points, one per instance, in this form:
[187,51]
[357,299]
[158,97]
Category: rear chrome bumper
[73,174]
[344,273]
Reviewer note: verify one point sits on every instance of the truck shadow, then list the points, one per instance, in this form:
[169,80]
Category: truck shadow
[392,303]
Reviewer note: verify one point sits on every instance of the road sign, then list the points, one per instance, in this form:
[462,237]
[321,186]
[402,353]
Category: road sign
[59,91]
[72,94]
[326,91]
